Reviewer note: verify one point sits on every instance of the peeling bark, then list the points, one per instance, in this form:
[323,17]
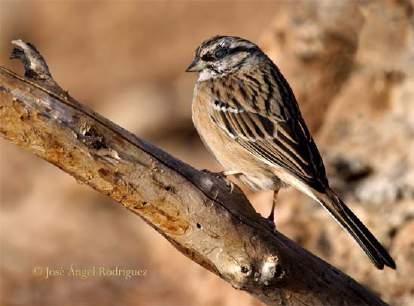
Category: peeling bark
[193,210]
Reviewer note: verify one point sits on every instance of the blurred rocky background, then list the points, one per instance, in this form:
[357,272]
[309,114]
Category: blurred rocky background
[351,65]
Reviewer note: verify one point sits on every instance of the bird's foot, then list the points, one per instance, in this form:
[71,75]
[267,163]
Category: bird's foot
[223,175]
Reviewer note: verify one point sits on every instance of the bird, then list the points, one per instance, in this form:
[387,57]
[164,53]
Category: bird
[248,117]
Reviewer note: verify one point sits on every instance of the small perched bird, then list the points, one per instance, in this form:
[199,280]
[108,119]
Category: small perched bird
[247,115]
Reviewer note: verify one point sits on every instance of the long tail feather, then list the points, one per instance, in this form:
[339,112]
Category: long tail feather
[345,217]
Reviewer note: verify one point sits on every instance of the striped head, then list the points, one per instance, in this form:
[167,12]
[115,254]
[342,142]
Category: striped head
[221,55]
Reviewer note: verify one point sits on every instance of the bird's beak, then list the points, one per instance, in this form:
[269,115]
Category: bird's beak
[195,66]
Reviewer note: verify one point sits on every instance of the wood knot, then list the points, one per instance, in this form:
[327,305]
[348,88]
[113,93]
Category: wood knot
[271,271]
[91,138]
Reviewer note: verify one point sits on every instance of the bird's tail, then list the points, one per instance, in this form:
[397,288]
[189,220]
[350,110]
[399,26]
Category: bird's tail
[346,218]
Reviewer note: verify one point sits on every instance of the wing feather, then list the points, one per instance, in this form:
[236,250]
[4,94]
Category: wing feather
[279,137]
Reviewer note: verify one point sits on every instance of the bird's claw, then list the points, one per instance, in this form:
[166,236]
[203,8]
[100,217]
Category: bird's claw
[229,184]
[221,175]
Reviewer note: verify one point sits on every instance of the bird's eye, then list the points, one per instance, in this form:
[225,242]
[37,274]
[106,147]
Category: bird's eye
[220,53]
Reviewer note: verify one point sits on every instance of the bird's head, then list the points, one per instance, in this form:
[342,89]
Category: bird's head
[221,55]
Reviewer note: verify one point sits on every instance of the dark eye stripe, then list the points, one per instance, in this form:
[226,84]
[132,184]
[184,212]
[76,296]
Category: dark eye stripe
[209,57]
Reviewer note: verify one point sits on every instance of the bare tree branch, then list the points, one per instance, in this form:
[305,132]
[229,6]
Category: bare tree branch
[193,210]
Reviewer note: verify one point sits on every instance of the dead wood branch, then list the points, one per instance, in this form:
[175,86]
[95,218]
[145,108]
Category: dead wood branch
[193,210]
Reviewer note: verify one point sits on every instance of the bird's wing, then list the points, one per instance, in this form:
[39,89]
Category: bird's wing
[277,134]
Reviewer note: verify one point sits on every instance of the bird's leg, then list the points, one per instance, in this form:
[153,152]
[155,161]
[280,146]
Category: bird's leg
[271,216]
